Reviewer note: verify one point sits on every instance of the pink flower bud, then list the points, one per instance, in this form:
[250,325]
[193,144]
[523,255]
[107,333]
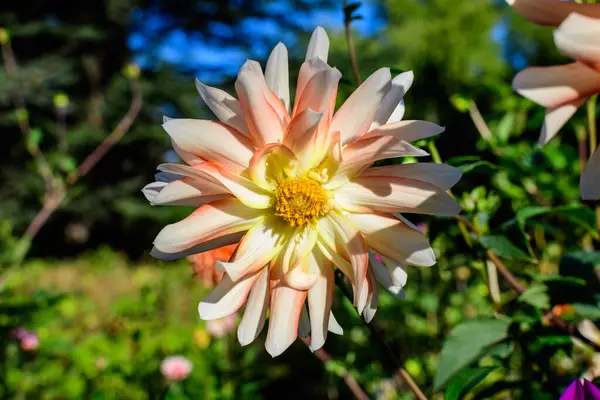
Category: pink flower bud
[176,368]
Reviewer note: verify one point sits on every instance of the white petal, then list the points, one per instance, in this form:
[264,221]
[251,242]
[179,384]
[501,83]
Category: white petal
[256,309]
[286,305]
[373,299]
[226,107]
[382,275]
[441,175]
[320,297]
[151,190]
[354,117]
[556,118]
[318,46]
[409,131]
[277,74]
[226,298]
[391,108]
[200,248]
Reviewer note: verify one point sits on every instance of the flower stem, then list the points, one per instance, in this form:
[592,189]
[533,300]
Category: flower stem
[350,40]
[392,358]
[351,383]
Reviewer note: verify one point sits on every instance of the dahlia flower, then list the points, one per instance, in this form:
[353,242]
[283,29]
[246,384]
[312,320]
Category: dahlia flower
[292,184]
[563,89]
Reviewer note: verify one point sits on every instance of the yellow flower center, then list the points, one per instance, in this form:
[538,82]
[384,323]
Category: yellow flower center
[300,200]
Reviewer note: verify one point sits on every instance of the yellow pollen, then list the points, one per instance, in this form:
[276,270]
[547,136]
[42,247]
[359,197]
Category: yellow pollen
[300,200]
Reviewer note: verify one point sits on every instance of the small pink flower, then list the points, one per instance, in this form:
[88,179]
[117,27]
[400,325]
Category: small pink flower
[30,342]
[220,327]
[176,368]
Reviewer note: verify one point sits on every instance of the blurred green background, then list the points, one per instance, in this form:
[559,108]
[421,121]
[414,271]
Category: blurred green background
[106,314]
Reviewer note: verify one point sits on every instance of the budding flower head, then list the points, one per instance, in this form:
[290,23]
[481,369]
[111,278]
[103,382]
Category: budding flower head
[30,342]
[176,368]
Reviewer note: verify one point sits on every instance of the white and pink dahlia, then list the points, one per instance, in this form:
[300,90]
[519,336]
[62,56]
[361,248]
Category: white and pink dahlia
[293,185]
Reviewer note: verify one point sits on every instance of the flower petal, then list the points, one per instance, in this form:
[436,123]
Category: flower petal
[265,115]
[317,88]
[271,164]
[362,153]
[188,158]
[226,298]
[189,192]
[589,183]
[556,118]
[334,326]
[277,74]
[388,194]
[209,245]
[409,131]
[552,12]
[318,46]
[210,221]
[244,189]
[260,245]
[343,237]
[286,305]
[253,319]
[391,108]
[391,237]
[356,114]
[383,276]
[372,299]
[304,323]
[556,86]
[300,138]
[152,190]
[577,37]
[226,107]
[320,298]
[211,141]
[441,175]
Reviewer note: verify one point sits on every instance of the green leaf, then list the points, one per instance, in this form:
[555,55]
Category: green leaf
[503,247]
[587,311]
[464,381]
[66,163]
[466,168]
[536,295]
[466,343]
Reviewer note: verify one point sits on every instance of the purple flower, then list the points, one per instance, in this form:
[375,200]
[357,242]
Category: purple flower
[579,391]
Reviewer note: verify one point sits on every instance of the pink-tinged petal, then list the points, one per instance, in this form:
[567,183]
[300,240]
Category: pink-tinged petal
[188,158]
[391,108]
[556,86]
[298,247]
[271,164]
[334,326]
[441,175]
[300,137]
[317,88]
[253,319]
[391,237]
[277,74]
[304,323]
[556,118]
[590,178]
[188,192]
[265,115]
[208,245]
[362,153]
[260,245]
[341,235]
[286,305]
[383,276]
[409,131]
[574,391]
[387,194]
[577,37]
[210,221]
[318,46]
[356,114]
[211,141]
[320,298]
[226,107]
[552,12]
[372,299]
[325,246]
[226,298]
[244,189]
